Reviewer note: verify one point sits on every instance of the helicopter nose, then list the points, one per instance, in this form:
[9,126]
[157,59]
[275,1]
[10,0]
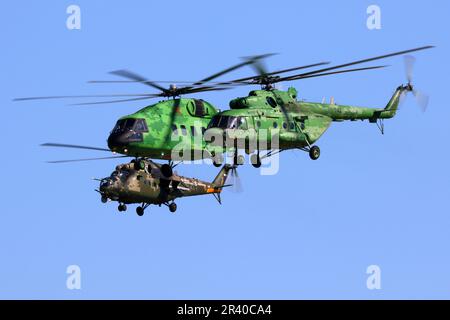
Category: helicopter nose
[118,141]
[104,185]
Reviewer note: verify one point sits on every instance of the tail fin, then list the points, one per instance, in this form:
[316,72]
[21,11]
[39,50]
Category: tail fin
[392,106]
[221,178]
[219,182]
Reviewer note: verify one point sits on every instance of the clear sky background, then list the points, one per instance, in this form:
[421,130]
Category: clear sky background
[309,231]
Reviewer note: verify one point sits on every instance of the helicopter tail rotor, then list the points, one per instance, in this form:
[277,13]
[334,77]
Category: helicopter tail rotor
[235,180]
[422,99]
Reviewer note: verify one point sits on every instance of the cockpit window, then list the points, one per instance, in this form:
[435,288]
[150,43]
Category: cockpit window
[214,122]
[137,125]
[123,174]
[228,122]
[119,127]
[140,126]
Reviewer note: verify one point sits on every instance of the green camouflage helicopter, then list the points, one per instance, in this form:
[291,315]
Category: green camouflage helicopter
[154,131]
[180,124]
[274,120]
[129,183]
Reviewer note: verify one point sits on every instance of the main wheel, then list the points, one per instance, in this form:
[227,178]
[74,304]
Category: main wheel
[122,207]
[255,160]
[314,152]
[173,207]
[140,211]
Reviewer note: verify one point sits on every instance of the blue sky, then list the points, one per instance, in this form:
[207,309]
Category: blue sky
[308,232]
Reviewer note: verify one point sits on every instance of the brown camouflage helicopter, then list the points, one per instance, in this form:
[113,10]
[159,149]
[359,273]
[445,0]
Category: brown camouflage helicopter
[146,182]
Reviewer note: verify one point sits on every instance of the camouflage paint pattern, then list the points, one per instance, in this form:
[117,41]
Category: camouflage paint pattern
[307,120]
[262,112]
[130,185]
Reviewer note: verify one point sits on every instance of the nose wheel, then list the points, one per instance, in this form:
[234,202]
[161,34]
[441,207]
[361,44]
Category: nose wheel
[122,207]
[173,207]
[140,211]
[314,152]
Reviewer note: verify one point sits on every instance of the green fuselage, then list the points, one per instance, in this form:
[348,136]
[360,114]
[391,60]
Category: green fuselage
[179,124]
[299,125]
[156,130]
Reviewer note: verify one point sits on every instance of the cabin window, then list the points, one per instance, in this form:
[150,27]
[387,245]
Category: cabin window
[271,101]
[203,130]
[292,126]
[228,122]
[285,125]
[174,130]
[275,125]
[258,123]
[200,109]
[183,130]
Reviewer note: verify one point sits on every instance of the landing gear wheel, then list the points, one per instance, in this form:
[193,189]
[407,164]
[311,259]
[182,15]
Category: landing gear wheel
[255,160]
[173,207]
[122,207]
[140,211]
[104,199]
[314,152]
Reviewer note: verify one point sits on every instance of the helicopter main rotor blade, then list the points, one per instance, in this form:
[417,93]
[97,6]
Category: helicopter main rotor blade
[249,60]
[297,76]
[86,159]
[85,96]
[202,89]
[115,101]
[63,145]
[254,78]
[231,82]
[134,76]
[190,83]
[336,72]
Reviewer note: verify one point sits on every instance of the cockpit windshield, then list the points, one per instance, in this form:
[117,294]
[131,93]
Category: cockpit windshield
[228,122]
[137,125]
[122,174]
